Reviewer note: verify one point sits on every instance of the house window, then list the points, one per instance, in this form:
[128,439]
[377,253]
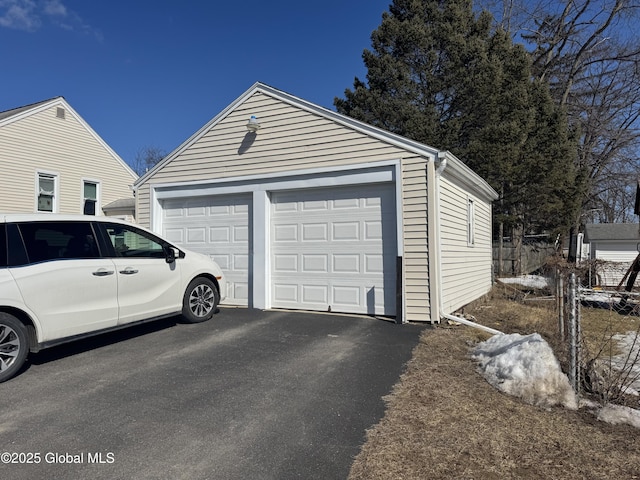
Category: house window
[470,223]
[46,192]
[90,197]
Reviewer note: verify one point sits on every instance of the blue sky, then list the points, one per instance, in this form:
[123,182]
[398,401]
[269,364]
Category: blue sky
[152,72]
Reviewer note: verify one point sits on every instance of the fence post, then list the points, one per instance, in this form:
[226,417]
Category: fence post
[573,332]
[578,338]
[560,301]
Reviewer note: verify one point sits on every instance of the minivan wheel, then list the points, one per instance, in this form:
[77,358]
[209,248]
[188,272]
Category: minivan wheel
[200,300]
[14,346]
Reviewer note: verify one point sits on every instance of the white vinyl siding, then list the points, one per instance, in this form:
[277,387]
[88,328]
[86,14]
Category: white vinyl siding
[416,252]
[292,139]
[43,142]
[616,257]
[466,268]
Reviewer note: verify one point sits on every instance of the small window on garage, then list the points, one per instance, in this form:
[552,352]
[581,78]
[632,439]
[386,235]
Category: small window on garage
[90,197]
[46,192]
[471,239]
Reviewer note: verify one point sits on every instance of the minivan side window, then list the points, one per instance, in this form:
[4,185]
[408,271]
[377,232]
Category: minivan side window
[58,240]
[3,245]
[131,242]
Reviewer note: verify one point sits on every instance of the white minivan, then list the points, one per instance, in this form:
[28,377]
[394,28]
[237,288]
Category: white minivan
[64,277]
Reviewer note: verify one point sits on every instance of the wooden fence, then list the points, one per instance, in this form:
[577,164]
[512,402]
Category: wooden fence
[533,255]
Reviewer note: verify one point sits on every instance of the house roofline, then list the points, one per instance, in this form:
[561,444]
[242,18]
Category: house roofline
[21,113]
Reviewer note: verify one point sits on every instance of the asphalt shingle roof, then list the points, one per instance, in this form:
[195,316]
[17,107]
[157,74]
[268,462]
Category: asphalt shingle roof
[611,231]
[16,111]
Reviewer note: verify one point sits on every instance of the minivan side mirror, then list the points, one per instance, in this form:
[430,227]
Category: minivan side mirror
[169,254]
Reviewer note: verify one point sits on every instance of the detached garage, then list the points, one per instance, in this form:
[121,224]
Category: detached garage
[305,208]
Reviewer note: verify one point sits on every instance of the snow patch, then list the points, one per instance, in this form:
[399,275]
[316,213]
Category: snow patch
[531,281]
[629,361]
[619,414]
[525,367]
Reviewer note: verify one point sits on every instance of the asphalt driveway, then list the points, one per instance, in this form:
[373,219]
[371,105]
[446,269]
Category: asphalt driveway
[247,395]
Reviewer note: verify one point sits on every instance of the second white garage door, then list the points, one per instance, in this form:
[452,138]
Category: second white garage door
[334,249]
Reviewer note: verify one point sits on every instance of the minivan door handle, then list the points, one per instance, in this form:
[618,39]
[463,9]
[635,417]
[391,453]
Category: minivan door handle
[128,271]
[102,272]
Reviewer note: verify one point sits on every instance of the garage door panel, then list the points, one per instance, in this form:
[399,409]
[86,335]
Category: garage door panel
[346,263]
[334,248]
[346,231]
[315,294]
[286,294]
[340,203]
[373,230]
[241,233]
[199,210]
[224,261]
[196,235]
[240,293]
[373,264]
[314,205]
[315,263]
[220,210]
[286,233]
[314,232]
[285,263]
[344,295]
[174,235]
[217,226]
[241,262]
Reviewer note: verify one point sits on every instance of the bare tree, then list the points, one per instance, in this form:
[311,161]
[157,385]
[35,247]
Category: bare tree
[146,158]
[589,53]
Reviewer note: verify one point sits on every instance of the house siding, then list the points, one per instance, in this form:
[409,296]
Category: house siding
[615,259]
[292,139]
[41,142]
[466,269]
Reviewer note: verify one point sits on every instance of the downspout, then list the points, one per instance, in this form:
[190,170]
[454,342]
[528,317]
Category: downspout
[437,301]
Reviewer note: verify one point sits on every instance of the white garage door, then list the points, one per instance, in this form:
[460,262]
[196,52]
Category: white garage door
[217,226]
[334,249]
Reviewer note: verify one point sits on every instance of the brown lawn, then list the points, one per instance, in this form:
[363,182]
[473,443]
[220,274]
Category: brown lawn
[444,421]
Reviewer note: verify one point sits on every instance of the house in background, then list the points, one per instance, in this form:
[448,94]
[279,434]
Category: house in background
[614,246]
[305,208]
[53,161]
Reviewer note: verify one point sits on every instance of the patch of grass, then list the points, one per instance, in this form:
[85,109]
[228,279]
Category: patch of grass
[444,421]
[599,325]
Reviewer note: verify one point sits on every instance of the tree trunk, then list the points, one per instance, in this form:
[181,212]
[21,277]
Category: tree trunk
[500,249]
[518,233]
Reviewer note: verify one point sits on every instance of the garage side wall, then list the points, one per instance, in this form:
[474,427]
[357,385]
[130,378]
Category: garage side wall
[465,263]
[292,139]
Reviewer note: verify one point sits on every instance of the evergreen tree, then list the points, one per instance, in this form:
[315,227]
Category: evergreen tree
[439,74]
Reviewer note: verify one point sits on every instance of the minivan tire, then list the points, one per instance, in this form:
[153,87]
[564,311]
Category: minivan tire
[14,345]
[200,300]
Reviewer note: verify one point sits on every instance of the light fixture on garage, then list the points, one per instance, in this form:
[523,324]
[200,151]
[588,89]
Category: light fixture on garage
[253,125]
